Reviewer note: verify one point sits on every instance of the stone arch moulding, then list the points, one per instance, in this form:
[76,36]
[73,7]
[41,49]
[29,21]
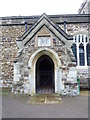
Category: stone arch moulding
[44,51]
[57,69]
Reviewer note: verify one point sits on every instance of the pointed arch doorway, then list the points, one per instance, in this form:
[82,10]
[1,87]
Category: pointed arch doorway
[45,75]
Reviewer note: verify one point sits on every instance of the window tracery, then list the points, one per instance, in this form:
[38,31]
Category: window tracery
[82,49]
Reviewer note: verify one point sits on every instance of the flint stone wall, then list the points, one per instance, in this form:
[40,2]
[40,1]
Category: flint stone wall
[10,29]
[21,83]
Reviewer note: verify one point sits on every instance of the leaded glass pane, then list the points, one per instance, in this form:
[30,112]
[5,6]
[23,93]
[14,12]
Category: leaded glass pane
[74,49]
[88,54]
[81,55]
[44,41]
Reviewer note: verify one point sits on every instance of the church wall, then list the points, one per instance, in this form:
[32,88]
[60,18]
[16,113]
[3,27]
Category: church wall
[8,47]
[74,28]
[71,29]
[64,54]
[8,51]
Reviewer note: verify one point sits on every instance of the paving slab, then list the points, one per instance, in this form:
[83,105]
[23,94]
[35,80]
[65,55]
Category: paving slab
[18,107]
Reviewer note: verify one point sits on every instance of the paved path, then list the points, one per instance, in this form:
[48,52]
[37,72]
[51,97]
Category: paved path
[70,107]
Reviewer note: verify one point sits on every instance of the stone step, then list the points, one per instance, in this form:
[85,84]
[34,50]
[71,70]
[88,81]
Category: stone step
[45,99]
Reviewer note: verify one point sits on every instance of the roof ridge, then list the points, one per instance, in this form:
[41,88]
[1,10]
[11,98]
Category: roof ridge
[38,21]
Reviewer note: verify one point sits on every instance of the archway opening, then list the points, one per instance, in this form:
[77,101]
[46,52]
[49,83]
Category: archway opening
[45,75]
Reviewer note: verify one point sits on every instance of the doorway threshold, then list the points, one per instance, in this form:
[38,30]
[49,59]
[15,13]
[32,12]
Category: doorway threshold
[45,99]
[45,91]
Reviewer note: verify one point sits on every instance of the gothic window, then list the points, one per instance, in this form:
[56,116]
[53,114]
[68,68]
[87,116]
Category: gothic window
[74,49]
[75,39]
[82,49]
[79,38]
[81,55]
[82,38]
[88,54]
[86,39]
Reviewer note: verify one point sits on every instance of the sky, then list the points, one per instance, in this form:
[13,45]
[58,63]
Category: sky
[38,7]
